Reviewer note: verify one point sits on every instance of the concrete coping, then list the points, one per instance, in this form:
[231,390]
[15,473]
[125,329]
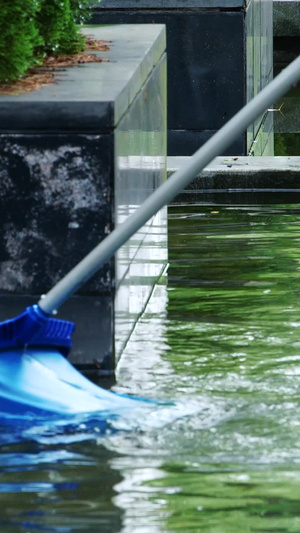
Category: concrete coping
[286,12]
[92,96]
[243,172]
[242,181]
[171,4]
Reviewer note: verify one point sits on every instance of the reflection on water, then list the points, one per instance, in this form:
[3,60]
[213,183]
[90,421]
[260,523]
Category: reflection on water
[221,337]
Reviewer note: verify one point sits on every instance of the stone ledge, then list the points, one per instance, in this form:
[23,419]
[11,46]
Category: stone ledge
[175,4]
[226,173]
[91,96]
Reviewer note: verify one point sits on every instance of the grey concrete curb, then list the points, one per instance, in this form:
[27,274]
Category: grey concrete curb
[243,175]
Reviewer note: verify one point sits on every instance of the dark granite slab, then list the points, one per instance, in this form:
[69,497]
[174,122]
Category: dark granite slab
[206,68]
[55,203]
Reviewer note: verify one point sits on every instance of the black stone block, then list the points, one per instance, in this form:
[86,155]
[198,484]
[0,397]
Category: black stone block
[187,142]
[206,61]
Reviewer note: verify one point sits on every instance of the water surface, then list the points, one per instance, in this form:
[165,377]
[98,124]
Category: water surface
[221,338]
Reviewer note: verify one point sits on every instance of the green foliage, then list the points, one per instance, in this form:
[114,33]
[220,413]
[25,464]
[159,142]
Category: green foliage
[56,21]
[51,21]
[287,144]
[32,28]
[18,37]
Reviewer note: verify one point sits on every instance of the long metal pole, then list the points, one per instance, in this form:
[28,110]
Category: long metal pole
[166,192]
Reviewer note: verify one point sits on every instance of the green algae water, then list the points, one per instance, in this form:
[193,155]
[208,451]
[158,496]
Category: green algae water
[221,338]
